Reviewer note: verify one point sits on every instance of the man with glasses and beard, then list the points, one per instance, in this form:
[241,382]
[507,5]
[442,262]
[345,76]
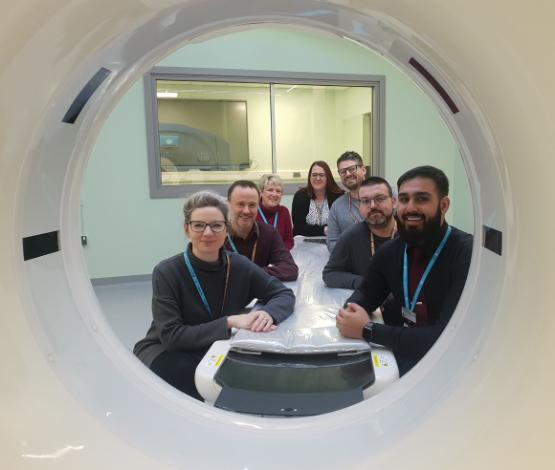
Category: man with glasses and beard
[424,269]
[345,210]
[354,249]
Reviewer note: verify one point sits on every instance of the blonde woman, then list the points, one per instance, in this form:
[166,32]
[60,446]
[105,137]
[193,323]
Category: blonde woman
[200,294]
[270,210]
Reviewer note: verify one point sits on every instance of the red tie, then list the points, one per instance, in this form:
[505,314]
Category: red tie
[417,265]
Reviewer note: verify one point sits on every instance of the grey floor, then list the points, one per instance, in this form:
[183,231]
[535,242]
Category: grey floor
[126,306]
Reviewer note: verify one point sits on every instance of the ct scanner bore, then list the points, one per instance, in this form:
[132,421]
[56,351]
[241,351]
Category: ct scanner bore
[75,398]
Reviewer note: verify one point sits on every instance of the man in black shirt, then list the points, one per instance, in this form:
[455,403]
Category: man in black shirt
[424,269]
[352,253]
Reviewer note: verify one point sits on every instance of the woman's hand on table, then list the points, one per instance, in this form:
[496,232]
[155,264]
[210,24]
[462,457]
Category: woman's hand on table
[263,321]
[258,321]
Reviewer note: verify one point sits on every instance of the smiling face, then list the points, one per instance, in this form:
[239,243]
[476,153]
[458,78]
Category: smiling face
[351,173]
[243,203]
[420,210]
[318,178]
[206,244]
[271,194]
[376,205]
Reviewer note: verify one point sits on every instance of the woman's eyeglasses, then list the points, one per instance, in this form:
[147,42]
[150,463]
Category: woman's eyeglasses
[216,227]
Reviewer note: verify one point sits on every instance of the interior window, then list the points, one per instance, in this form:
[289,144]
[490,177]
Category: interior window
[215,131]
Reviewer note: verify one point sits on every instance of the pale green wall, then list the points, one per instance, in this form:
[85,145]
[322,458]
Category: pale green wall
[129,233]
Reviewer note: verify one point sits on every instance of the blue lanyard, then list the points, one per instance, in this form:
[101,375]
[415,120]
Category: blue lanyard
[424,276]
[233,247]
[199,287]
[264,217]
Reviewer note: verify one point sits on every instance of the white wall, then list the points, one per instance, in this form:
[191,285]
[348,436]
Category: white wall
[129,233]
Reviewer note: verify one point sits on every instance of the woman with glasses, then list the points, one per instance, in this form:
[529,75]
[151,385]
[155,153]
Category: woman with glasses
[200,294]
[311,204]
[270,210]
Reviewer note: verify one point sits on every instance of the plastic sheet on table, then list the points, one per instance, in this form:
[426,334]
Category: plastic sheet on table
[310,288]
[297,341]
[311,328]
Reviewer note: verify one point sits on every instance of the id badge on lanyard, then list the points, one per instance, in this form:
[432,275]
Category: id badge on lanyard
[409,317]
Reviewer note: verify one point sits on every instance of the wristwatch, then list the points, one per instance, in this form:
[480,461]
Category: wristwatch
[368,332]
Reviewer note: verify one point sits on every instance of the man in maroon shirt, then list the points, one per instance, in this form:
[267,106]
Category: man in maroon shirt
[259,242]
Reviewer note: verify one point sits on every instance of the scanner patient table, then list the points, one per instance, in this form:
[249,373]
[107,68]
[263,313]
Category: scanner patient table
[304,367]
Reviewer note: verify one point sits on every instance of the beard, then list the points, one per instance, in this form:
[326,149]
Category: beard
[428,236]
[351,183]
[374,221]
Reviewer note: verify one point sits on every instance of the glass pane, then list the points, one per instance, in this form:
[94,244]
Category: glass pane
[320,123]
[213,132]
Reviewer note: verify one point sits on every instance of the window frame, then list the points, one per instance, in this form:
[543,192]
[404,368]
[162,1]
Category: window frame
[158,190]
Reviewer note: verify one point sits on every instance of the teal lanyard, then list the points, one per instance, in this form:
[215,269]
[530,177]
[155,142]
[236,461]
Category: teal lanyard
[199,287]
[233,247]
[264,217]
[431,263]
